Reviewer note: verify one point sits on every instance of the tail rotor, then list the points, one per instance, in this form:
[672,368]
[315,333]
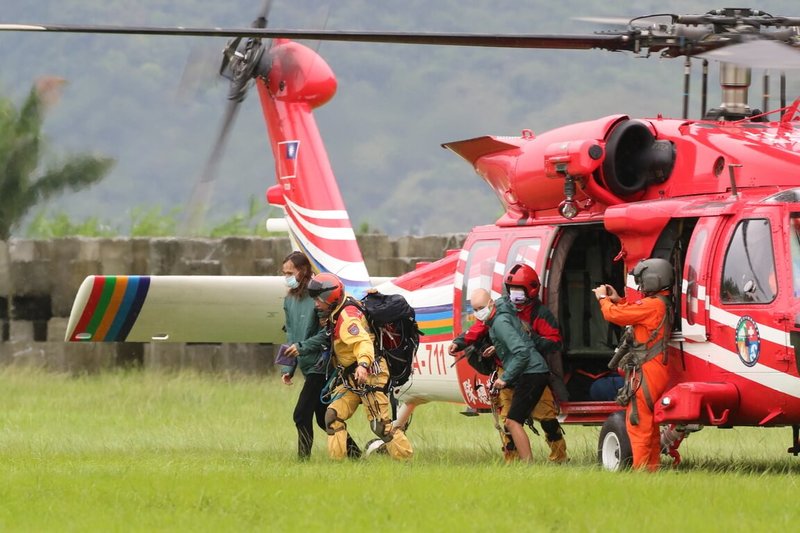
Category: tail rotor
[242,61]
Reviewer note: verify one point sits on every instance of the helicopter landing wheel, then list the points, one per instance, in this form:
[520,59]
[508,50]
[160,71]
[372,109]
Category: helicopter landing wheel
[614,447]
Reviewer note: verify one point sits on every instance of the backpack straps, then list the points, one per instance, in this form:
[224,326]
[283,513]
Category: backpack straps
[345,372]
[349,300]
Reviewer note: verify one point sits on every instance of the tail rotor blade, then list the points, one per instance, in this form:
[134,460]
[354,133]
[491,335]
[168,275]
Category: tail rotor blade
[263,15]
[241,71]
[199,73]
[197,207]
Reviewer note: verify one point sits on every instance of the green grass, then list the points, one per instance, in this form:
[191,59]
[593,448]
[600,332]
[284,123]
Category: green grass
[143,451]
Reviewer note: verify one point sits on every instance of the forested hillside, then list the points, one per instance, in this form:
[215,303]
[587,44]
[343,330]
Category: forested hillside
[396,103]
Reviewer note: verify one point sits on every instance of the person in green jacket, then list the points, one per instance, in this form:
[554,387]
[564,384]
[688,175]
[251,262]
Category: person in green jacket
[524,368]
[309,342]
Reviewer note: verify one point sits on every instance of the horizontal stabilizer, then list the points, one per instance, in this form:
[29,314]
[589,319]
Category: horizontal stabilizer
[473,149]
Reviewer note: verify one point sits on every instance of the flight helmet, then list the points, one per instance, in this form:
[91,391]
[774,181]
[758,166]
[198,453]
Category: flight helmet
[653,275]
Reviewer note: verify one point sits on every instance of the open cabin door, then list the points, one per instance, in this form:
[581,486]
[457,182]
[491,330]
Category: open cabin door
[696,280]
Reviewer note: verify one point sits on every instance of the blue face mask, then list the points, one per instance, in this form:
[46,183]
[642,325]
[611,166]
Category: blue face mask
[292,282]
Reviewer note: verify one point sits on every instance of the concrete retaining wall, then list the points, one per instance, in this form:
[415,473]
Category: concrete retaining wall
[39,279]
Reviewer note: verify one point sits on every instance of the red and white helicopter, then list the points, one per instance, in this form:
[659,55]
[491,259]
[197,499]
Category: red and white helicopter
[719,197]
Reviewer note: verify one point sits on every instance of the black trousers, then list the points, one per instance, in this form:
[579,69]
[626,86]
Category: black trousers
[310,407]
[307,409]
[528,390]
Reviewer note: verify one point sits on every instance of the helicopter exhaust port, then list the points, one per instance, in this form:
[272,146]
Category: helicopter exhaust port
[635,159]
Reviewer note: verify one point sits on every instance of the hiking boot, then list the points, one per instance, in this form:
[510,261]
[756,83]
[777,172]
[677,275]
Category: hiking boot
[377,446]
[353,451]
[558,451]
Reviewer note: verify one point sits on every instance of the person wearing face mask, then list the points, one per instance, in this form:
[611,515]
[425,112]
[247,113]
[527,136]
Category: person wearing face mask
[307,341]
[361,378]
[523,368]
[522,286]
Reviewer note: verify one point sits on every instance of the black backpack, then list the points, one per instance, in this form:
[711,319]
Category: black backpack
[474,355]
[394,324]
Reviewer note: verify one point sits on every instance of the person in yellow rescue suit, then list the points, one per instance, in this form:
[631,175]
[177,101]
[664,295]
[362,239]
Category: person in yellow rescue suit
[651,319]
[362,379]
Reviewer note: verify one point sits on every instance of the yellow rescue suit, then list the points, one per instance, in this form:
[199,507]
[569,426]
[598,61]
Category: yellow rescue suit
[353,344]
[545,409]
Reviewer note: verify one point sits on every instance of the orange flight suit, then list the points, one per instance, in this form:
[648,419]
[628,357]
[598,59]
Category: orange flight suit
[644,315]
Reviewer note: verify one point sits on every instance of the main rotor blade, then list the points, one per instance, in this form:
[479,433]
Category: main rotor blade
[263,15]
[765,54]
[622,41]
[196,209]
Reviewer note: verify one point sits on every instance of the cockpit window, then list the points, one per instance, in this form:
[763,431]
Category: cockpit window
[749,272]
[787,196]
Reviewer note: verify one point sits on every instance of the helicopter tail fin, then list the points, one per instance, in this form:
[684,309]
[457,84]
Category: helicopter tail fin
[299,81]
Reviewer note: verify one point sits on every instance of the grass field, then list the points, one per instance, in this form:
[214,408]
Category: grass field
[143,451]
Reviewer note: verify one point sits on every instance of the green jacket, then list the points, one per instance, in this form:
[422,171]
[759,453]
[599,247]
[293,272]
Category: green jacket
[303,328]
[514,347]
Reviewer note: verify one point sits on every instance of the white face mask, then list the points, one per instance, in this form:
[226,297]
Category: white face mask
[517,296]
[292,282]
[483,314]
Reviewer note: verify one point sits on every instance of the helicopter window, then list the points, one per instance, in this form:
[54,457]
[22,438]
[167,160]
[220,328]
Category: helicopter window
[788,196]
[478,273]
[523,251]
[749,272]
[691,272]
[794,245]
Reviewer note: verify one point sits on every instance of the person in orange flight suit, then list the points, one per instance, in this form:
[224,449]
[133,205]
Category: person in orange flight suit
[362,379]
[651,321]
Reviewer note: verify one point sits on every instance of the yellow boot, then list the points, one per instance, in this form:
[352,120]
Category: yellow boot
[558,451]
[510,456]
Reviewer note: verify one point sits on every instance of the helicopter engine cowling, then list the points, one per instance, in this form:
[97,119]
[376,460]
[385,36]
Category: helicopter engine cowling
[592,164]
[573,158]
[635,159]
[538,177]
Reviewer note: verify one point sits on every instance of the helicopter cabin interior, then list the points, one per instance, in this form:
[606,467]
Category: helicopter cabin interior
[583,258]
[578,258]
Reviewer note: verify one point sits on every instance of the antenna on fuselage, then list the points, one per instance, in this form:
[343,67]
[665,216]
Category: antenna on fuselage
[732,173]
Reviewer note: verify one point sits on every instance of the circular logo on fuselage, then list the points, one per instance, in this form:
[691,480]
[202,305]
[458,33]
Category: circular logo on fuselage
[748,342]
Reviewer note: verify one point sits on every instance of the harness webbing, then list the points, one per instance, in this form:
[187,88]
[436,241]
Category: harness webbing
[634,376]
